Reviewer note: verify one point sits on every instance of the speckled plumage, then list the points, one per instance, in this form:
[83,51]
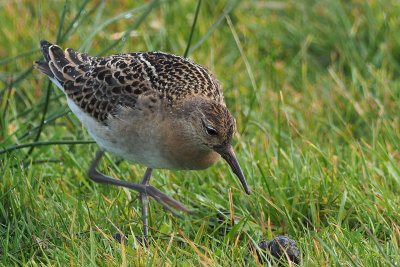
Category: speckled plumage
[152,108]
[100,85]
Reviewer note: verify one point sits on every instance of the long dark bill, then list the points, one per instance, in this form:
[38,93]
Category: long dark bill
[229,155]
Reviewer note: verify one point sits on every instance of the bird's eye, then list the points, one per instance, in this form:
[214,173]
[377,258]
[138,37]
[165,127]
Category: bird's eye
[211,131]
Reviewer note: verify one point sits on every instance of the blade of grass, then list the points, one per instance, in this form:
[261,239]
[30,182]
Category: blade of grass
[61,21]
[329,249]
[254,95]
[192,29]
[345,252]
[36,105]
[17,80]
[74,20]
[31,131]
[4,117]
[46,143]
[139,20]
[23,54]
[48,92]
[9,190]
[220,18]
[341,209]
[386,257]
[107,22]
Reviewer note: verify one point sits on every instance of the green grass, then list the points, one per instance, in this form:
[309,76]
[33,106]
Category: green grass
[314,86]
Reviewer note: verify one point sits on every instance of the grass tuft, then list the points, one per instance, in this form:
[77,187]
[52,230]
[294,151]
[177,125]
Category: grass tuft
[313,86]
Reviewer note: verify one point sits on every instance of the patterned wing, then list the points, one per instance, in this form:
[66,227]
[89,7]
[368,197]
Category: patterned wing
[97,85]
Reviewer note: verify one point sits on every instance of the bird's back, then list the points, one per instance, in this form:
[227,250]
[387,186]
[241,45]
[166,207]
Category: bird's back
[100,86]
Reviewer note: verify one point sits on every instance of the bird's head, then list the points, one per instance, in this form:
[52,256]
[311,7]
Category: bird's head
[212,127]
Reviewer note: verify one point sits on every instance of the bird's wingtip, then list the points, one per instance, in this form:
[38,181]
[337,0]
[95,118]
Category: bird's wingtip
[44,43]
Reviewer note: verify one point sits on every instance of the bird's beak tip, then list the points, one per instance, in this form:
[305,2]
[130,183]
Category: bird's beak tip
[229,155]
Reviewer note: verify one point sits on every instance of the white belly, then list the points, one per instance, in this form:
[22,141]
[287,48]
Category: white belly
[128,140]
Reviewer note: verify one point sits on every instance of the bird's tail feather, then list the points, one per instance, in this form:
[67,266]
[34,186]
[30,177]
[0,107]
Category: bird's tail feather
[59,63]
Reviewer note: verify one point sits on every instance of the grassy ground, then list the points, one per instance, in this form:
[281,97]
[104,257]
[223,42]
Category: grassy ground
[314,86]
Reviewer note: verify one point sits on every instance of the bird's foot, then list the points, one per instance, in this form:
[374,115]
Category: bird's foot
[166,201]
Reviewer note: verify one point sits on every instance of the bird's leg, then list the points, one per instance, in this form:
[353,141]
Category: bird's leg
[145,203]
[143,188]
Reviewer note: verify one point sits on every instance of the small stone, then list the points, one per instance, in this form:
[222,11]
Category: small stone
[277,248]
